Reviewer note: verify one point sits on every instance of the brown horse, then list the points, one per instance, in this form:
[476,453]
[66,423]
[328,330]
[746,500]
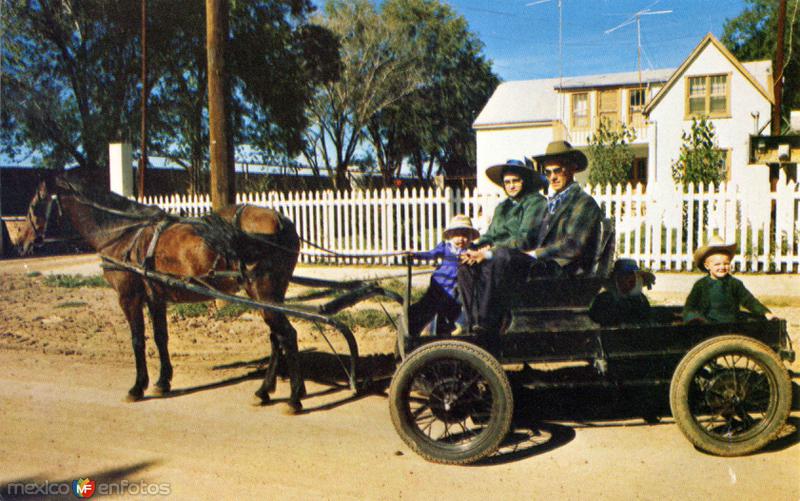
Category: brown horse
[257,242]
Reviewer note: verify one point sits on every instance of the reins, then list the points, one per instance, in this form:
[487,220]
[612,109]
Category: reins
[144,220]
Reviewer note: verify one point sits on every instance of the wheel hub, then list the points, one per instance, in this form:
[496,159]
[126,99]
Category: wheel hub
[724,393]
[447,401]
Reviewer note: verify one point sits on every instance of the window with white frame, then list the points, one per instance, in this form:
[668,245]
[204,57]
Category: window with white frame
[580,110]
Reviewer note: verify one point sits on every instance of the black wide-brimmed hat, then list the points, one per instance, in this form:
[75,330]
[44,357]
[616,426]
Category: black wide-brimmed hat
[562,149]
[532,179]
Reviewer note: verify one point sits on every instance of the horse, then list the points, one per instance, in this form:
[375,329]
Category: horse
[238,247]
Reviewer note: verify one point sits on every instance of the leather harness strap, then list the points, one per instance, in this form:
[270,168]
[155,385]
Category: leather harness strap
[151,249]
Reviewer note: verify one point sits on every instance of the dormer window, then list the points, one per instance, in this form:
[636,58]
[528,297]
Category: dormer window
[708,95]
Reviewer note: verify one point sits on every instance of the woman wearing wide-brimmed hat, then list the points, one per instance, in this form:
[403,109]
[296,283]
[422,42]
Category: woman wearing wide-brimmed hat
[512,222]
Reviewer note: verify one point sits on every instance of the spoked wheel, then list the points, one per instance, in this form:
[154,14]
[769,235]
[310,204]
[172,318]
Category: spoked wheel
[730,395]
[451,402]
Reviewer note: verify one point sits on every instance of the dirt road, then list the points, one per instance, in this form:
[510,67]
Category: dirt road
[67,365]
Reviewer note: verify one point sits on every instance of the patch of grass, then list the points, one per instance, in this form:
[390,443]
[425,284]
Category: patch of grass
[33,274]
[399,287]
[188,310]
[75,281]
[367,318]
[71,304]
[231,310]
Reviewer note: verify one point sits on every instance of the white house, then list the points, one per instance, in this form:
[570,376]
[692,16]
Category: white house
[521,117]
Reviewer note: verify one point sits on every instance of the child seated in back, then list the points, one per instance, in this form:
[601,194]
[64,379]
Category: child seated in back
[718,297]
[622,302]
[440,299]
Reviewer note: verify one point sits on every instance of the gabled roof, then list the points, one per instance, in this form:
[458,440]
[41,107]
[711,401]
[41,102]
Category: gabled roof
[709,39]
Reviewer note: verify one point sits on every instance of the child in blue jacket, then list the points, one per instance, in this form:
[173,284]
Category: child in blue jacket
[441,298]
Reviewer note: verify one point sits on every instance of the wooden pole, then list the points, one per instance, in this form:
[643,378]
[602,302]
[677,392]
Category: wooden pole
[777,71]
[143,157]
[223,187]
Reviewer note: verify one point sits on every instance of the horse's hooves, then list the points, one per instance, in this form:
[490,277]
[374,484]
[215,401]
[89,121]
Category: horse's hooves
[160,391]
[134,396]
[262,396]
[293,408]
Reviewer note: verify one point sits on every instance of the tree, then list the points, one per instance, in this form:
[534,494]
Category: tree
[432,126]
[272,85]
[379,66]
[753,35]
[610,154]
[699,161]
[70,73]
[68,77]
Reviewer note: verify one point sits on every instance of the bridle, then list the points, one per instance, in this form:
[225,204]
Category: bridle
[52,202]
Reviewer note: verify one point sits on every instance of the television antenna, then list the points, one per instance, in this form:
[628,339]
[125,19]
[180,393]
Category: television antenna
[560,49]
[636,18]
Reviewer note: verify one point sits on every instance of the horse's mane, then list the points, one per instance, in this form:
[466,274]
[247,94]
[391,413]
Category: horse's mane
[119,206]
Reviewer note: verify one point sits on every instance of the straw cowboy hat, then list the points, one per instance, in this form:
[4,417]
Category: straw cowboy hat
[715,245]
[461,223]
[563,150]
[532,179]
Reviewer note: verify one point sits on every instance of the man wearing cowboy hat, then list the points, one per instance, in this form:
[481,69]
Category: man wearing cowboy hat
[511,224]
[571,223]
[440,298]
[718,297]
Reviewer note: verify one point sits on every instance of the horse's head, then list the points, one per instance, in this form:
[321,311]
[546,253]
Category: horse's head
[43,211]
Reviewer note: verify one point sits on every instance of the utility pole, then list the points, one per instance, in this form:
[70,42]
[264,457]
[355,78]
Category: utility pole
[777,71]
[223,181]
[143,158]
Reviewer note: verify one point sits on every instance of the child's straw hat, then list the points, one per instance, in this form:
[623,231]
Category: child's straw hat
[715,245]
[463,223]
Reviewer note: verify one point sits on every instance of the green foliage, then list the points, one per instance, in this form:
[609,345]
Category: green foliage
[699,160]
[71,78]
[399,287]
[71,304]
[366,319]
[752,35]
[74,281]
[188,310]
[68,79]
[379,65]
[610,154]
[431,126]
[231,310]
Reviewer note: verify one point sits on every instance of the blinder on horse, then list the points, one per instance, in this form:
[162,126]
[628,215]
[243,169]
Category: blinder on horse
[40,230]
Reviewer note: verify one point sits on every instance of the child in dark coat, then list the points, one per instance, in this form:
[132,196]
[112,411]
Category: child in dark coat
[441,298]
[718,297]
[622,302]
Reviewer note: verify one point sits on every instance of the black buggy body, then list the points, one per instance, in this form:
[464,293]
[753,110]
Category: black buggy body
[729,391]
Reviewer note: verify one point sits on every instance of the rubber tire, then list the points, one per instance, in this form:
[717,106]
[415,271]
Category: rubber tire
[712,348]
[502,402]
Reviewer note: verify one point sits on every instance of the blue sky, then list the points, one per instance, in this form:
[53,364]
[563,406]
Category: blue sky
[522,41]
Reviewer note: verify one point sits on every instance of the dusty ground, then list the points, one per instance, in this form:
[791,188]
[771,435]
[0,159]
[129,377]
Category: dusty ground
[67,365]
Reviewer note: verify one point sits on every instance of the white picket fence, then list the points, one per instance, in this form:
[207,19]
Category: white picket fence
[660,228]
